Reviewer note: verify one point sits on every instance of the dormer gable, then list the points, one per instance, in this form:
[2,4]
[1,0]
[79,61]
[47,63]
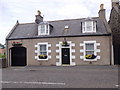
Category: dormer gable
[89,25]
[44,28]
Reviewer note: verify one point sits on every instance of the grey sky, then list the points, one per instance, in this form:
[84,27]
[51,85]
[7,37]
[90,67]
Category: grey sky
[25,11]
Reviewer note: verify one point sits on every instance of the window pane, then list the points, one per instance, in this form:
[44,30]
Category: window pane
[43,50]
[90,46]
[89,52]
[46,29]
[43,53]
[42,47]
[42,28]
[89,26]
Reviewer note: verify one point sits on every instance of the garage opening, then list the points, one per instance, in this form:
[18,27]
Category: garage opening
[116,54]
[18,56]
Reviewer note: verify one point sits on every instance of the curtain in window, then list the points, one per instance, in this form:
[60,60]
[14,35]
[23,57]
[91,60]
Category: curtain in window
[42,29]
[89,26]
[43,50]
[89,48]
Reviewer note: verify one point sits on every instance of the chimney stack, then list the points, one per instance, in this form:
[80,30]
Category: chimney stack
[39,18]
[115,3]
[102,12]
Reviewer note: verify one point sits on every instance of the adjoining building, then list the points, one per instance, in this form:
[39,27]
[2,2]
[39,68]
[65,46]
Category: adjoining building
[114,23]
[69,42]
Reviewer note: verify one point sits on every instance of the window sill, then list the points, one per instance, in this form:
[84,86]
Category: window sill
[42,59]
[90,60]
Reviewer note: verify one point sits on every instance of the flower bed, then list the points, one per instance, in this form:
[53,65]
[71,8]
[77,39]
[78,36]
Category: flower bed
[42,56]
[17,43]
[64,43]
[90,56]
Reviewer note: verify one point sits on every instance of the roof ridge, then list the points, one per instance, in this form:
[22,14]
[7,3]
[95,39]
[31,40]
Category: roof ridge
[70,19]
[26,23]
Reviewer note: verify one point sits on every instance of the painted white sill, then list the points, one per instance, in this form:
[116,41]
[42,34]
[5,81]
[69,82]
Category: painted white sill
[42,59]
[90,60]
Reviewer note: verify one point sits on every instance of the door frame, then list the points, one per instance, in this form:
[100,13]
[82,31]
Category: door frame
[62,54]
[59,56]
[10,59]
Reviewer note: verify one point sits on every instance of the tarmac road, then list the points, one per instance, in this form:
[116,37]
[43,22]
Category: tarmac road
[60,77]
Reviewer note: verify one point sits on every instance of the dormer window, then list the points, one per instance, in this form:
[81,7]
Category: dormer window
[44,28]
[89,26]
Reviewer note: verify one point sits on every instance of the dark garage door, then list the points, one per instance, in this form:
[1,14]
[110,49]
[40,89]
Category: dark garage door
[18,56]
[117,54]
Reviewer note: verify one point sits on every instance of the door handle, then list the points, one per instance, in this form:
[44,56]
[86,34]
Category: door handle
[65,55]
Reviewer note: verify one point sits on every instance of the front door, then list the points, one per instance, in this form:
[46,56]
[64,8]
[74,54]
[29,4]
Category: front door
[65,56]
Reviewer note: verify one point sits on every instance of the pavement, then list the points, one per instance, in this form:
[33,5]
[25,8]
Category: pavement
[60,77]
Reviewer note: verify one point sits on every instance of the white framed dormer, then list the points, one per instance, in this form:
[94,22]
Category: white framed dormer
[89,26]
[44,29]
[90,47]
[42,49]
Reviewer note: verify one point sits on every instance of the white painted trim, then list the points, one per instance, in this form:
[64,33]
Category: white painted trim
[49,45]
[57,45]
[81,44]
[84,28]
[97,44]
[49,51]
[58,64]
[81,57]
[95,50]
[57,51]
[73,57]
[36,51]
[49,57]
[38,48]
[73,64]
[98,57]
[112,52]
[73,50]
[45,27]
[81,50]
[73,44]
[36,57]
[57,57]
[60,55]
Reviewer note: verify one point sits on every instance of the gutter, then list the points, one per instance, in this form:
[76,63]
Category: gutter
[109,34]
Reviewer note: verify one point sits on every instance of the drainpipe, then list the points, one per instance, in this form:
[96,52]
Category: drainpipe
[7,64]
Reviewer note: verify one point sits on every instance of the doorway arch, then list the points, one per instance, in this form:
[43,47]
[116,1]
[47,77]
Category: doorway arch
[18,56]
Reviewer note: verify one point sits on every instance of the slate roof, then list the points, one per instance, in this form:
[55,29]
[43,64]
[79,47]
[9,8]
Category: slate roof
[30,30]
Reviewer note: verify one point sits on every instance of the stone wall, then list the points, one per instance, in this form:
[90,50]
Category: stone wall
[115,25]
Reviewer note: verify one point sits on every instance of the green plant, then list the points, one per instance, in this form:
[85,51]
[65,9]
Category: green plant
[2,56]
[42,56]
[90,56]
[17,43]
[65,43]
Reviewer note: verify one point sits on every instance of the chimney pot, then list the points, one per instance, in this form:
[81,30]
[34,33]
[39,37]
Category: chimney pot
[101,6]
[39,18]
[38,12]
[102,12]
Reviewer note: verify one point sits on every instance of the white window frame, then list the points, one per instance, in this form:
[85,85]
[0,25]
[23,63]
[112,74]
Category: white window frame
[45,26]
[84,27]
[38,50]
[84,47]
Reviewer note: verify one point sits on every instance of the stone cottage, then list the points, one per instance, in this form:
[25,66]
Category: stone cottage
[68,42]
